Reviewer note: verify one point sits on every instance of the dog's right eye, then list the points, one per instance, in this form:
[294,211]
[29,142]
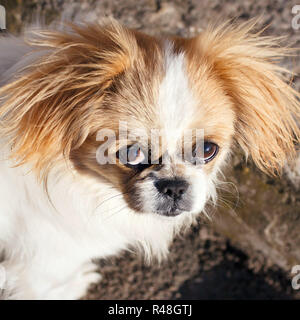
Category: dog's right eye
[135,155]
[131,156]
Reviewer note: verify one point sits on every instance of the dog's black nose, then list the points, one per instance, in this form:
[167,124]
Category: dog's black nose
[172,188]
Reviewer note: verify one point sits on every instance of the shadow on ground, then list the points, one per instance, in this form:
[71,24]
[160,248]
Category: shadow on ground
[232,279]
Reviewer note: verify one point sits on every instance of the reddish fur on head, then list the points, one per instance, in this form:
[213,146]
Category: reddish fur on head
[55,105]
[266,106]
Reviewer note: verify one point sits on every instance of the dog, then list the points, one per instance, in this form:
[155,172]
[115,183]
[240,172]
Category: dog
[93,159]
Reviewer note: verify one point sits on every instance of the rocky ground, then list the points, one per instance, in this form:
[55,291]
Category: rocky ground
[201,265]
[248,249]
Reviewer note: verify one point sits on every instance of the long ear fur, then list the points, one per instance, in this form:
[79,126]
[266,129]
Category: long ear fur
[51,108]
[267,107]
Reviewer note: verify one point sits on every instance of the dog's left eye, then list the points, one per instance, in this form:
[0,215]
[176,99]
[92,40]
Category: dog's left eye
[210,150]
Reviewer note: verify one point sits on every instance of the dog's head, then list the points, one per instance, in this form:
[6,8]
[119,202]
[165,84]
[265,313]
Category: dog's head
[183,104]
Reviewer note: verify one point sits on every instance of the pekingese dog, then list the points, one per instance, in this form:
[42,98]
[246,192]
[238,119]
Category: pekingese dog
[111,138]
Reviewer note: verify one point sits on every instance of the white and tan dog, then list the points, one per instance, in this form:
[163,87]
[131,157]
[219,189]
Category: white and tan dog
[60,206]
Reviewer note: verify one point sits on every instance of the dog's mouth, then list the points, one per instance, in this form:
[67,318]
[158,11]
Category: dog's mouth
[162,209]
[172,210]
[158,204]
[170,213]
[173,207]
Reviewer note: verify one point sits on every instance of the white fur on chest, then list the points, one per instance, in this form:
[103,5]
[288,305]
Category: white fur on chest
[87,220]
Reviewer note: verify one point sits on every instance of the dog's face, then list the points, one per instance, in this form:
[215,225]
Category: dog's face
[179,126]
[222,84]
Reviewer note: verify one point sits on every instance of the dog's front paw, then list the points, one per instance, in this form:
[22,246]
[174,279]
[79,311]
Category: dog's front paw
[84,279]
[77,286]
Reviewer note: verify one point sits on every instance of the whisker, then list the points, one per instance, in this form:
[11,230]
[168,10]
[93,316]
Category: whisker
[113,197]
[115,213]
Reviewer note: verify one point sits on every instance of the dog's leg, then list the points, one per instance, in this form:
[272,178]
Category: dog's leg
[77,285]
[27,281]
